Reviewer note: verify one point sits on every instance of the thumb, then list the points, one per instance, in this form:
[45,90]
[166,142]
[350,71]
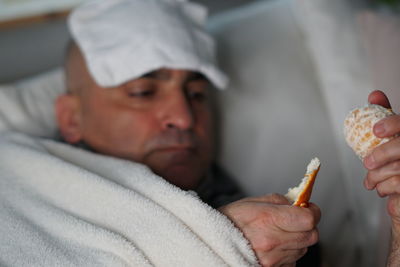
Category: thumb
[272,199]
[379,98]
[296,219]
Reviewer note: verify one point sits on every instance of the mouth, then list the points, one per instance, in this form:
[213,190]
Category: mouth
[176,149]
[176,154]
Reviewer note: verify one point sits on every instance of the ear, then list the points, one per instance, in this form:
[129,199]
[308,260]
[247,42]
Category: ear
[68,117]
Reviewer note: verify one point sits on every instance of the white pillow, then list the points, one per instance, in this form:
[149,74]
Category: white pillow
[27,105]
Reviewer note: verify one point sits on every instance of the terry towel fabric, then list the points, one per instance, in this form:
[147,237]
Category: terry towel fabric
[64,206]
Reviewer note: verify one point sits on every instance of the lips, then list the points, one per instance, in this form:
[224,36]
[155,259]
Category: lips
[177,151]
[176,154]
[176,148]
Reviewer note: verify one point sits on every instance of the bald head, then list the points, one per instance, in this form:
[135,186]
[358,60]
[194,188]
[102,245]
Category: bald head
[76,73]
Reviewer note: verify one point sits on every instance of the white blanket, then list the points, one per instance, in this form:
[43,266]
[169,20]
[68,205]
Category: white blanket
[64,206]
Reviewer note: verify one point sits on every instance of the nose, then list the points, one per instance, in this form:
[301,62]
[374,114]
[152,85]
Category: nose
[177,112]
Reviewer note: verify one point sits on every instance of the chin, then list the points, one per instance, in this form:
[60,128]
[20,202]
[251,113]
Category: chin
[183,168]
[182,177]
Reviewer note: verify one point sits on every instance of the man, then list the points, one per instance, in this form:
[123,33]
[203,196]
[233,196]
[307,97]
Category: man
[164,119]
[138,79]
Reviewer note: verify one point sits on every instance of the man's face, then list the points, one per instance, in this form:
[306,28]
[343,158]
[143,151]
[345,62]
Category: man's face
[162,120]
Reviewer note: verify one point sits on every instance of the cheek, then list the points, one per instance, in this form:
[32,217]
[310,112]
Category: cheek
[205,130]
[118,132]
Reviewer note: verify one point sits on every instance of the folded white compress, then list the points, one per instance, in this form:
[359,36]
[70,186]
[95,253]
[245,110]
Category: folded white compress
[124,39]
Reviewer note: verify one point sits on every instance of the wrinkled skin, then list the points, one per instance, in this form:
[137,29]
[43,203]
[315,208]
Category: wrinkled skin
[278,233]
[383,175]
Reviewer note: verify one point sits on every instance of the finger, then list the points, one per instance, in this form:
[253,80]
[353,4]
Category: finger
[270,240]
[379,98]
[296,219]
[280,257]
[316,211]
[367,185]
[383,154]
[389,187]
[387,127]
[272,199]
[291,241]
[381,174]
[303,240]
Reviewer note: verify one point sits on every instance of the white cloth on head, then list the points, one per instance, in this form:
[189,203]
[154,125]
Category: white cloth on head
[64,206]
[123,39]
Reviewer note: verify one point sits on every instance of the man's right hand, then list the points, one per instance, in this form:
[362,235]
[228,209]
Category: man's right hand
[278,233]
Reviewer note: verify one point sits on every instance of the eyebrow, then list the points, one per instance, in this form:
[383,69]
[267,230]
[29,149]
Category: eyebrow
[151,74]
[193,76]
[197,76]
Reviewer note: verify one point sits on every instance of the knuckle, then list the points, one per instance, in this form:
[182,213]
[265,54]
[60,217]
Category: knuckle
[396,165]
[266,245]
[379,152]
[275,195]
[266,219]
[391,209]
[309,221]
[369,180]
[396,182]
[308,238]
[369,176]
[380,190]
[269,261]
[277,199]
[316,214]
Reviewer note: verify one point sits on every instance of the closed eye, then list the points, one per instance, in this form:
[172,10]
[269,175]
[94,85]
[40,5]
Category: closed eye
[141,93]
[198,96]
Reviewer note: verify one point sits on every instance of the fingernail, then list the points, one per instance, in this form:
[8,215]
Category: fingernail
[366,184]
[379,128]
[369,162]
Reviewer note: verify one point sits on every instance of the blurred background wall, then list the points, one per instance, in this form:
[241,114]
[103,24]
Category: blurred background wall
[30,49]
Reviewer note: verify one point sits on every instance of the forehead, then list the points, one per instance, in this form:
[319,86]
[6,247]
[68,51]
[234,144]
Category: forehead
[168,74]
